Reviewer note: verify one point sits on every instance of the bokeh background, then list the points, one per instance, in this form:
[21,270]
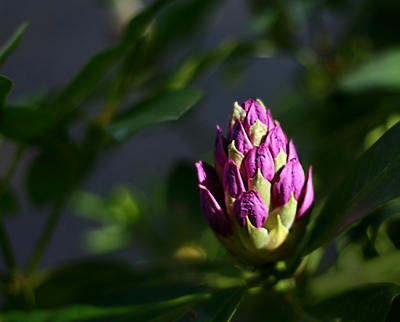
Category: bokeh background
[328,69]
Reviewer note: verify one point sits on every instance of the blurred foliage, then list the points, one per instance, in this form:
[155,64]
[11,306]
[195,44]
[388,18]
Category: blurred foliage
[342,110]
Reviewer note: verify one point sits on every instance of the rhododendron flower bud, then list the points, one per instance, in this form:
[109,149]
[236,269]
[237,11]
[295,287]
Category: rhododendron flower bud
[258,192]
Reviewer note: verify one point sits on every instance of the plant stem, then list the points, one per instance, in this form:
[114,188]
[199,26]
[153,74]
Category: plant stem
[5,244]
[45,236]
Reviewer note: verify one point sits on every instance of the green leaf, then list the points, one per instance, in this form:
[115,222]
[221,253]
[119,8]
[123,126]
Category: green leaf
[6,85]
[25,123]
[220,307]
[12,43]
[111,283]
[96,68]
[151,311]
[368,303]
[52,173]
[380,72]
[371,182]
[164,107]
[377,270]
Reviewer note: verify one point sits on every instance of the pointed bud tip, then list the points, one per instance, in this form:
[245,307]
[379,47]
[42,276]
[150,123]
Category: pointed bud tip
[307,196]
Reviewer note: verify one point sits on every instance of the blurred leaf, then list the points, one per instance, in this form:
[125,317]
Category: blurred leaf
[381,71]
[12,43]
[220,307]
[368,303]
[25,123]
[89,76]
[195,66]
[152,311]
[8,201]
[341,279]
[371,182]
[6,85]
[52,173]
[107,283]
[164,107]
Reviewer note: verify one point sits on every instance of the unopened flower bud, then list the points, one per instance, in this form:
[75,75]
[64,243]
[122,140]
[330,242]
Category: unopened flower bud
[260,193]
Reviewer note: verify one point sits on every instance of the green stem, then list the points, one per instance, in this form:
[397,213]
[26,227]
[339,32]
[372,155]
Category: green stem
[45,237]
[5,243]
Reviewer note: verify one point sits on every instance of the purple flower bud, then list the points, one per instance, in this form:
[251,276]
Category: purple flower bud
[307,196]
[214,213]
[242,142]
[292,154]
[250,204]
[270,120]
[276,139]
[221,150]
[260,158]
[255,112]
[291,179]
[232,181]
[247,104]
[207,177]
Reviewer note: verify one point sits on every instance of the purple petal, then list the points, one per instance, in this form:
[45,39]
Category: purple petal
[242,142]
[221,150]
[247,104]
[260,158]
[307,196]
[252,205]
[291,179]
[292,154]
[255,112]
[208,177]
[232,179]
[214,213]
[276,139]
[270,120]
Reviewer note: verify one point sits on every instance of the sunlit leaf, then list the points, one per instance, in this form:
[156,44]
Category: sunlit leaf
[372,181]
[381,71]
[164,107]
[12,43]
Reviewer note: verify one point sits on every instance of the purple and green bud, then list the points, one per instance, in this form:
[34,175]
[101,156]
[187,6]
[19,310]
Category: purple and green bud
[258,191]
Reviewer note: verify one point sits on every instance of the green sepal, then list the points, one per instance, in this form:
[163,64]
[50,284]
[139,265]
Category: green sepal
[262,186]
[280,160]
[229,200]
[234,154]
[258,132]
[254,238]
[261,103]
[287,214]
[277,236]
[238,114]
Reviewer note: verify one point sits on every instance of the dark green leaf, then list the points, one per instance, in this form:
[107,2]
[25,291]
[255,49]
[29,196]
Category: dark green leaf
[6,85]
[380,72]
[89,76]
[165,107]
[368,303]
[220,307]
[25,123]
[96,68]
[151,311]
[103,282]
[8,201]
[52,174]
[371,182]
[12,43]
